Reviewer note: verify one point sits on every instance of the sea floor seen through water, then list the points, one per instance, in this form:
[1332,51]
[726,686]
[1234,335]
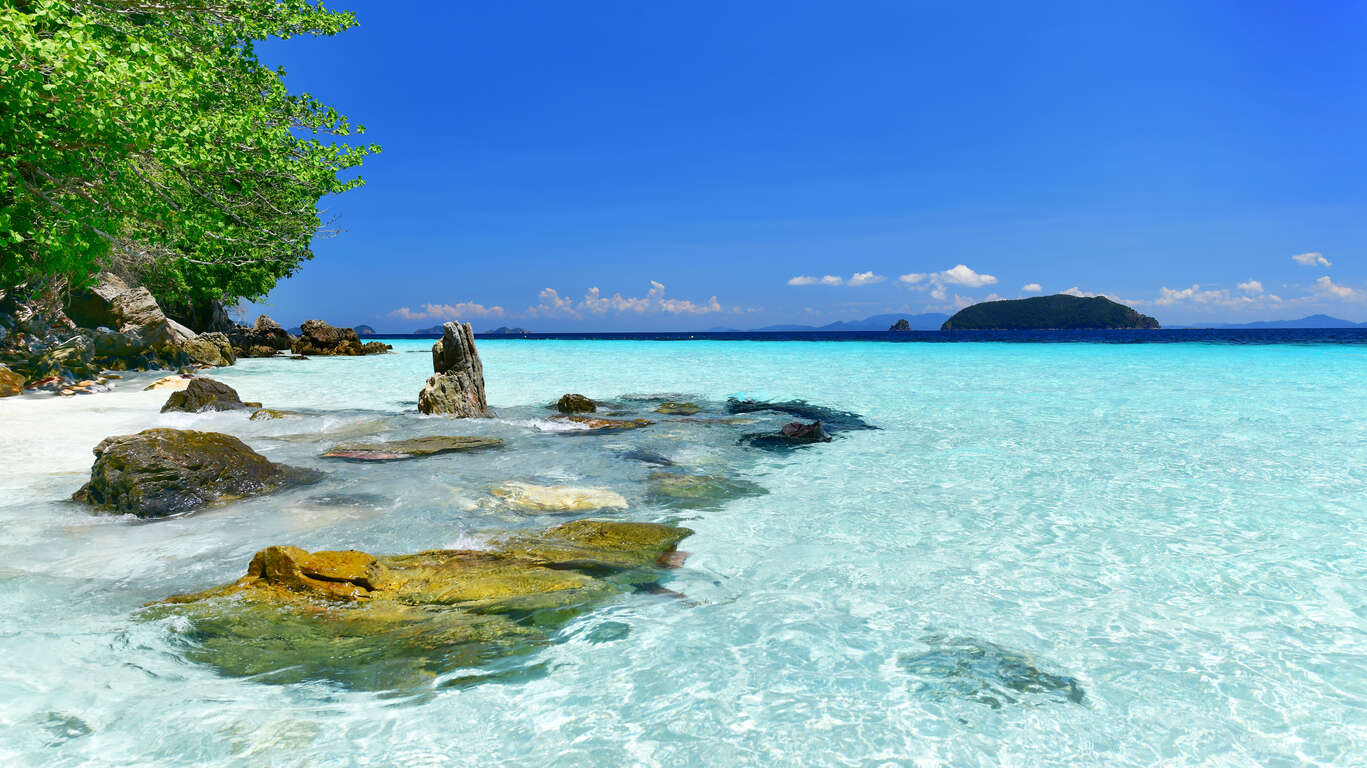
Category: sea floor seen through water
[1042,554]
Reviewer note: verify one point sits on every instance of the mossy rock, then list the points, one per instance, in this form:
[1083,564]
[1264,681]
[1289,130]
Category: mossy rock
[596,424]
[678,409]
[400,621]
[699,491]
[413,448]
[268,414]
[574,403]
[165,472]
[204,395]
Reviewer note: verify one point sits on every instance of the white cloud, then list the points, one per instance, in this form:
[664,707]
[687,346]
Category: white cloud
[1252,286]
[856,280]
[1032,288]
[935,282]
[865,278]
[1311,259]
[447,311]
[1078,292]
[1328,288]
[594,302]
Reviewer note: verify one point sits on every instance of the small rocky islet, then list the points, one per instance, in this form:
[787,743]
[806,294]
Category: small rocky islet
[448,617]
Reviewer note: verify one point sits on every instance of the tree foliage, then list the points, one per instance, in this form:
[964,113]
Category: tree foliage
[148,131]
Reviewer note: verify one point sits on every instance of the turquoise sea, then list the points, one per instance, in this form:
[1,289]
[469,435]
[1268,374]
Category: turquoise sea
[1047,554]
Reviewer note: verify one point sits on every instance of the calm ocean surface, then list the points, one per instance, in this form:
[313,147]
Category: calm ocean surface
[1048,554]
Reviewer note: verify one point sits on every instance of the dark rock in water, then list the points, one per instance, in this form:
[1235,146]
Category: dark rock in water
[834,420]
[411,449]
[263,339]
[677,409]
[318,338]
[204,395]
[793,435]
[678,490]
[901,325]
[397,621]
[457,386]
[164,472]
[985,673]
[647,457]
[575,404]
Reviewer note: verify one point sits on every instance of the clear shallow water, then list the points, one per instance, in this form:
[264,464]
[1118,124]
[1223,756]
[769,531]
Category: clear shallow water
[1178,529]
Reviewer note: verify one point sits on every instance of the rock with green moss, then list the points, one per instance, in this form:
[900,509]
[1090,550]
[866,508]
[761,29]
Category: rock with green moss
[401,621]
[574,403]
[675,489]
[165,472]
[677,408]
[398,450]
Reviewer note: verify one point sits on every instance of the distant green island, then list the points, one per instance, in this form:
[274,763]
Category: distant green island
[1057,312]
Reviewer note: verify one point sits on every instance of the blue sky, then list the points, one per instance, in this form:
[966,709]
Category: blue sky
[651,166]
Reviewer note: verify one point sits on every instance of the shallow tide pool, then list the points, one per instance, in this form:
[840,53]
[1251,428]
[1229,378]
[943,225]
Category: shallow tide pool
[1079,554]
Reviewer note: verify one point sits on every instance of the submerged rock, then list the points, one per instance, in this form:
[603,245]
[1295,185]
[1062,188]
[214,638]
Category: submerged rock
[457,385]
[411,449]
[834,420]
[677,409]
[793,435]
[986,673]
[204,395]
[647,457]
[268,414]
[594,424]
[557,498]
[164,472]
[386,622]
[699,491]
[575,404]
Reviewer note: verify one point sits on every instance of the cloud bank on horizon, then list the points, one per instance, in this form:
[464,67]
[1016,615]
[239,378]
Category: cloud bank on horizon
[946,290]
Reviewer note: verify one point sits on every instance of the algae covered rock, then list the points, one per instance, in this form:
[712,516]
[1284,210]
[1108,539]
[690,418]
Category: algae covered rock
[209,349]
[573,403]
[985,673]
[675,489]
[204,395]
[594,424]
[556,498]
[398,621]
[417,447]
[677,409]
[164,472]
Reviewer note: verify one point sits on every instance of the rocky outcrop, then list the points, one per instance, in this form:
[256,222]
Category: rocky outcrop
[1058,312]
[209,349]
[385,622]
[204,395]
[164,472]
[318,338]
[263,339]
[573,403]
[457,386]
[398,450]
[901,325]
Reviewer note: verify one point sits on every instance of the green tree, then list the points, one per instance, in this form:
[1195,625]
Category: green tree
[147,132]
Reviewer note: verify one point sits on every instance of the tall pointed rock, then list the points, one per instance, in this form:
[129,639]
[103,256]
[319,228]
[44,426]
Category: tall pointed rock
[457,387]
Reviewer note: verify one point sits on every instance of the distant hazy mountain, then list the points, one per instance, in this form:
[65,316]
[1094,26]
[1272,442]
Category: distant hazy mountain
[1313,321]
[1057,312]
[364,330]
[925,322]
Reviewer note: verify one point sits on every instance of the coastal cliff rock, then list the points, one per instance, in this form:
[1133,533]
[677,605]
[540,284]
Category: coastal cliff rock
[164,472]
[1060,312]
[204,395]
[11,383]
[573,403]
[457,386]
[382,622]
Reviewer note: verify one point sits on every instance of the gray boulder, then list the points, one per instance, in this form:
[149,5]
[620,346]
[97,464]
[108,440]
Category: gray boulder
[457,386]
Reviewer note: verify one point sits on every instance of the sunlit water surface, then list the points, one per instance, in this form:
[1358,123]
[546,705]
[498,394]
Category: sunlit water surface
[1170,536]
